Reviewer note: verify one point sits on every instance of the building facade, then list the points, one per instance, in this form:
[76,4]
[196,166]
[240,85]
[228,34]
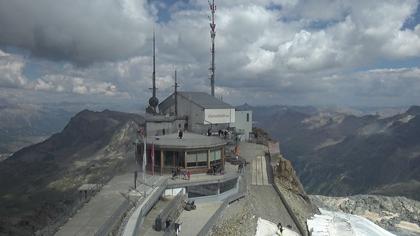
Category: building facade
[202,110]
[194,152]
[164,124]
[243,125]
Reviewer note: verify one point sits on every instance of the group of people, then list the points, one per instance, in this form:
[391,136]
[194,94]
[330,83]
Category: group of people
[222,133]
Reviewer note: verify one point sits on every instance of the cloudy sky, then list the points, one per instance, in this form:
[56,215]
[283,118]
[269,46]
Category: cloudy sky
[318,52]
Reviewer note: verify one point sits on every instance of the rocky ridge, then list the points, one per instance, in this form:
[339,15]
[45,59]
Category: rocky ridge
[399,215]
[38,184]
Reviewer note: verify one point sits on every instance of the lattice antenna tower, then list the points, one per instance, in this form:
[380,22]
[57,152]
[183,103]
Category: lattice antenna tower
[213,36]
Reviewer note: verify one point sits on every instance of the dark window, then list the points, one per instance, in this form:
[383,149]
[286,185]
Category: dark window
[163,131]
[228,185]
[247,117]
[169,157]
[202,190]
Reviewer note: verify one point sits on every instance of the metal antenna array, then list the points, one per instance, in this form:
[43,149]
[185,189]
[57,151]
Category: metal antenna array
[213,36]
[153,101]
[154,64]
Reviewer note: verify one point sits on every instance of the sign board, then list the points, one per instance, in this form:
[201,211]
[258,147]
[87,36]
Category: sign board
[219,116]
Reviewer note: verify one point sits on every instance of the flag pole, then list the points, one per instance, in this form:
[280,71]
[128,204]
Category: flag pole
[144,157]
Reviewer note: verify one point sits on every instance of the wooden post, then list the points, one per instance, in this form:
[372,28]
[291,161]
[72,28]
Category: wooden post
[162,157]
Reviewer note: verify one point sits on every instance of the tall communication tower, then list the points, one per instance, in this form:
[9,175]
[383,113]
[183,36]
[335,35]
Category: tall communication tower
[176,95]
[153,101]
[213,36]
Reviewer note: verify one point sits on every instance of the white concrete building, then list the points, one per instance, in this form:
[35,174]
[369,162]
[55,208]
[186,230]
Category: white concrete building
[202,110]
[243,124]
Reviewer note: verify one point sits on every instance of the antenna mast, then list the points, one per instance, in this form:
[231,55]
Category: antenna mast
[213,36]
[176,95]
[154,64]
[153,101]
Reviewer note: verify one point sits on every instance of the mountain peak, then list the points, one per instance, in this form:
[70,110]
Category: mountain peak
[414,110]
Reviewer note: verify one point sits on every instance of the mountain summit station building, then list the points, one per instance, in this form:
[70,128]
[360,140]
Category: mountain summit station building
[197,114]
[194,152]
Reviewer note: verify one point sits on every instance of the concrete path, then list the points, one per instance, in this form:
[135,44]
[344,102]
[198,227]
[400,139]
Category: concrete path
[149,220]
[193,221]
[262,196]
[95,213]
[155,183]
[259,171]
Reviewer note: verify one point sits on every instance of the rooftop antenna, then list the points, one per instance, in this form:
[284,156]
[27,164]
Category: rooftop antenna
[213,36]
[176,95]
[153,101]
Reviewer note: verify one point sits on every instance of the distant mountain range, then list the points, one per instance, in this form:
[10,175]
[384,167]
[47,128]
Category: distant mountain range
[22,125]
[337,153]
[38,184]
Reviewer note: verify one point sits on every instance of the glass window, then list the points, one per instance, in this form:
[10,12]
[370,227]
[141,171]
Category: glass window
[215,155]
[169,157]
[247,117]
[202,156]
[228,185]
[196,159]
[202,190]
[157,158]
[191,157]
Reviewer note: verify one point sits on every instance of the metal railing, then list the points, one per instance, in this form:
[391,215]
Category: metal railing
[213,219]
[148,205]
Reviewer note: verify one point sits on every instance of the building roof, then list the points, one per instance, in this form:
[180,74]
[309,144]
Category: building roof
[205,100]
[189,141]
[201,99]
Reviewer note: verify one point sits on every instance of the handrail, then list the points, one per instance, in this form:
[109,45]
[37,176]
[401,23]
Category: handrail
[209,181]
[242,189]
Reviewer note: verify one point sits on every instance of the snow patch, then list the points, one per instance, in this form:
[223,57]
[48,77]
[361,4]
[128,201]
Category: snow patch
[406,118]
[268,228]
[337,223]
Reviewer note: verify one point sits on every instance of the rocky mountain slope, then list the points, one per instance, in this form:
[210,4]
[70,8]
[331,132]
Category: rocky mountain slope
[396,214]
[342,154]
[38,184]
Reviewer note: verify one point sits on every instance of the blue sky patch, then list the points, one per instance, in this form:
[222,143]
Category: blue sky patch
[413,20]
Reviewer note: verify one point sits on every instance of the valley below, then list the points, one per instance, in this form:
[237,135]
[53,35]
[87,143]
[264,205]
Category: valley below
[338,153]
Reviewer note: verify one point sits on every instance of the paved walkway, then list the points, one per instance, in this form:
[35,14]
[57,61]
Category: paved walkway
[149,220]
[150,191]
[262,196]
[193,221]
[95,213]
[259,171]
